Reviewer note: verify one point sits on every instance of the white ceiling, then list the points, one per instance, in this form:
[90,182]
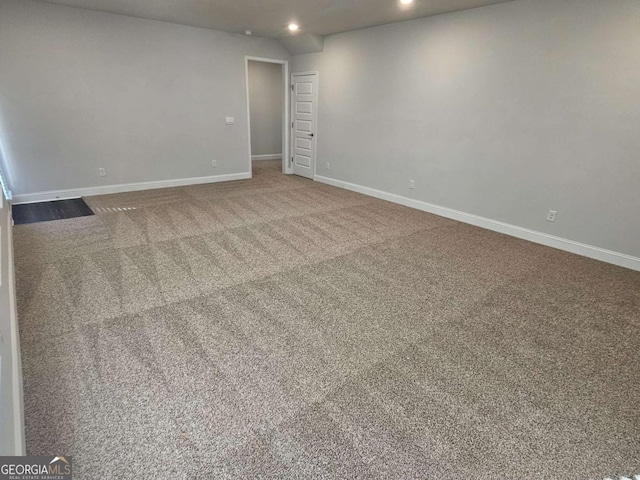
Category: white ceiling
[269,18]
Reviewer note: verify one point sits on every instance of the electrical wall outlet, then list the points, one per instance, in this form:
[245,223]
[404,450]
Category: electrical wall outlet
[214,163]
[102,172]
[328,165]
[412,184]
[229,120]
[551,216]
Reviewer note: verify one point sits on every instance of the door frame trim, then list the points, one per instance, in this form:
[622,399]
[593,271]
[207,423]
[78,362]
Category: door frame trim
[286,110]
[315,116]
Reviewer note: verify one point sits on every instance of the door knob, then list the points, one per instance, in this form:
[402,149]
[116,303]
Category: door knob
[311,134]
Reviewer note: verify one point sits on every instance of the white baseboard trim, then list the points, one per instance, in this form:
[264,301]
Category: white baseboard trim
[125,187]
[597,253]
[272,156]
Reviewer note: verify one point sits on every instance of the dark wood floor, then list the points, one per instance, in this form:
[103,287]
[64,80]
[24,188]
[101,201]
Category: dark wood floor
[46,211]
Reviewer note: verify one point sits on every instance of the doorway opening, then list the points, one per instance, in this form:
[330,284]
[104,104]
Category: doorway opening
[268,111]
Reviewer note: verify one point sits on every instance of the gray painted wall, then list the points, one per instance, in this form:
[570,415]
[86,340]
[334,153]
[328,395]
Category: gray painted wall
[266,107]
[145,100]
[505,112]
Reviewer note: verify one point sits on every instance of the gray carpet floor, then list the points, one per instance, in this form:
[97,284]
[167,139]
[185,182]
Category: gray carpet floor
[280,328]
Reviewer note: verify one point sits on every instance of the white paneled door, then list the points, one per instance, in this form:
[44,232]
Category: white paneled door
[305,103]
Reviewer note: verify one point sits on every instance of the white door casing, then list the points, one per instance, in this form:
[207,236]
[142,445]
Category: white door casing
[304,116]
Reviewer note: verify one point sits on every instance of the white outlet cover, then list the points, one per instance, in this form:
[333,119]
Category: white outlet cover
[229,120]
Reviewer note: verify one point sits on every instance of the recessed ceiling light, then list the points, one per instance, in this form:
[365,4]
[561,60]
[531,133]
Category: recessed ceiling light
[293,27]
[248,32]
[406,2]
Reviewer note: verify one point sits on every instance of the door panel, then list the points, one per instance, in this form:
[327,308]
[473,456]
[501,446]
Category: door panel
[303,160]
[304,107]
[303,144]
[305,100]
